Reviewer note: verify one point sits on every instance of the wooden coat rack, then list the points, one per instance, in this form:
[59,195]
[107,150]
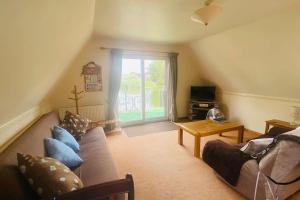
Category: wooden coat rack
[76,98]
[101,123]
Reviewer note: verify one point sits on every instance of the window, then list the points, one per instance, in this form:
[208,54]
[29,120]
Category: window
[142,95]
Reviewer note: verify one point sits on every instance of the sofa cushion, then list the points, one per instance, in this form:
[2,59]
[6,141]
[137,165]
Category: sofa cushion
[98,165]
[274,131]
[256,145]
[63,153]
[46,176]
[65,137]
[75,124]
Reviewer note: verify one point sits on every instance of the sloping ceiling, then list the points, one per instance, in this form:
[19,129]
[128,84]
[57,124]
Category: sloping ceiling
[259,58]
[38,41]
[168,21]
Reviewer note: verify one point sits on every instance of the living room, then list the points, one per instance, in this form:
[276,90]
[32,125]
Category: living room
[129,68]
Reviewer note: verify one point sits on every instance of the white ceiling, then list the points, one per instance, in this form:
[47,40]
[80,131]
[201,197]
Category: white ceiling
[168,21]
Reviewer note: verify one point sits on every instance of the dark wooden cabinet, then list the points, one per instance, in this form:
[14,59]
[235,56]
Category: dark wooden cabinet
[198,109]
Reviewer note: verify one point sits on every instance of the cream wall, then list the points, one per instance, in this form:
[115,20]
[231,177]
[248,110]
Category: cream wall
[39,39]
[259,59]
[188,73]
[254,110]
[44,44]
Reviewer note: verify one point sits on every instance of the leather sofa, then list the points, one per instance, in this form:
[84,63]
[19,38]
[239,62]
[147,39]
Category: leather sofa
[98,172]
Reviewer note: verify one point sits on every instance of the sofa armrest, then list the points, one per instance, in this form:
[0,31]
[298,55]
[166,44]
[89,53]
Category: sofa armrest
[101,191]
[225,159]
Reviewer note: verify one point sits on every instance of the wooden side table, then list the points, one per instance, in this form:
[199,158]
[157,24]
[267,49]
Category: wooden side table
[279,123]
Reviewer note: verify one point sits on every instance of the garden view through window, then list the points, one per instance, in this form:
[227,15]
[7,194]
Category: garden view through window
[142,95]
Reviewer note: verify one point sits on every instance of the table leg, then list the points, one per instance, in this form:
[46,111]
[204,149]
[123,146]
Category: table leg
[267,127]
[197,146]
[240,135]
[180,136]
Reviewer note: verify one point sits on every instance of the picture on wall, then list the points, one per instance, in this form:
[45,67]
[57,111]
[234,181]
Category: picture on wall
[92,77]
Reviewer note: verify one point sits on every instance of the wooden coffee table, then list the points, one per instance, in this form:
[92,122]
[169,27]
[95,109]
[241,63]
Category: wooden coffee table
[204,128]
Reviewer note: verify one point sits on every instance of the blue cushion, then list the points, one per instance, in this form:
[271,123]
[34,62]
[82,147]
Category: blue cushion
[59,151]
[65,137]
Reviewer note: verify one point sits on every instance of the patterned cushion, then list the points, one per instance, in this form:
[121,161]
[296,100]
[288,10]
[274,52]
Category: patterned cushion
[75,124]
[47,176]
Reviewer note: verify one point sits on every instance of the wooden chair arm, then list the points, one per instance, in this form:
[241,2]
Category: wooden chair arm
[102,191]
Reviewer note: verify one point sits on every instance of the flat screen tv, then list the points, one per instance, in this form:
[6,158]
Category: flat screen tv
[203,93]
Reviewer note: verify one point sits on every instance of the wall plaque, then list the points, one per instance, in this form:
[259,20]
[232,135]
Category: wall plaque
[92,77]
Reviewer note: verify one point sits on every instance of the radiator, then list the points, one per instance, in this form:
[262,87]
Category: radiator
[94,113]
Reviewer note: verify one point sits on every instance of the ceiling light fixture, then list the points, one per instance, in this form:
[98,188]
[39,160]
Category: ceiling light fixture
[206,13]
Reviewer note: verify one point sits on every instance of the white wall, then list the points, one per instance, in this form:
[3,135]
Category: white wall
[39,40]
[260,59]
[188,72]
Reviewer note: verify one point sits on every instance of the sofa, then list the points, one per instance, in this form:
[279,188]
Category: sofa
[240,170]
[98,172]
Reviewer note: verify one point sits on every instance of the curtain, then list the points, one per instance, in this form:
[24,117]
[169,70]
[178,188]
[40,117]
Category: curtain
[172,86]
[114,83]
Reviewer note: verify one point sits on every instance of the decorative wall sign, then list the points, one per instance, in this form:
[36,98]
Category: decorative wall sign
[92,77]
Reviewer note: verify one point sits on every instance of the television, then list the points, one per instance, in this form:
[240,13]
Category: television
[206,93]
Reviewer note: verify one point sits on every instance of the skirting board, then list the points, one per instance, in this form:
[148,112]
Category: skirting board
[13,129]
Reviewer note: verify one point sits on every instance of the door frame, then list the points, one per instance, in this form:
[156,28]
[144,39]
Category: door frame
[142,58]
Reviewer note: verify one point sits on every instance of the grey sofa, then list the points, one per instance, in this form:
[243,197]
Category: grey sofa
[98,172]
[225,156]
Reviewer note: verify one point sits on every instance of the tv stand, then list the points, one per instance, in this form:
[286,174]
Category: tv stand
[198,109]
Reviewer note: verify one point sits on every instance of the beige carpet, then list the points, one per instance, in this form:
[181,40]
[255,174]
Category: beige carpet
[144,129]
[164,170]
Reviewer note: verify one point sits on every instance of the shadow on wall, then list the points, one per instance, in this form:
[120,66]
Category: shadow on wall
[206,72]
[219,98]
[60,91]
[206,67]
